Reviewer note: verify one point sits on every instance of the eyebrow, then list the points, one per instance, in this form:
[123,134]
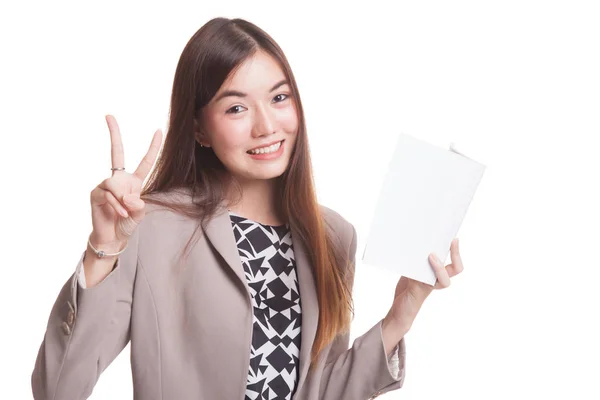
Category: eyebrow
[235,93]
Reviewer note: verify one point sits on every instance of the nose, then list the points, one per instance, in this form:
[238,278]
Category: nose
[264,123]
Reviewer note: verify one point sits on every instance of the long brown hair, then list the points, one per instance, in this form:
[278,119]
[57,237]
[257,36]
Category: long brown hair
[210,56]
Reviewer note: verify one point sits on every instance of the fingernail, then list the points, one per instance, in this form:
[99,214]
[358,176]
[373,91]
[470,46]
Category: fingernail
[124,213]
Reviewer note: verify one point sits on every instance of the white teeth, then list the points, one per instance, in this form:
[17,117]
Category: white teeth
[265,150]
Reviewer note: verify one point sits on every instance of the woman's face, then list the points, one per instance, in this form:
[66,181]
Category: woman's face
[251,110]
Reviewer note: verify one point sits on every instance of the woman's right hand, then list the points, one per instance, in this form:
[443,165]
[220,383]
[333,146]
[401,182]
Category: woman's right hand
[117,208]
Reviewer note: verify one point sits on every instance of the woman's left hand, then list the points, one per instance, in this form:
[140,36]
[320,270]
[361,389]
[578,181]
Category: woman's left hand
[410,295]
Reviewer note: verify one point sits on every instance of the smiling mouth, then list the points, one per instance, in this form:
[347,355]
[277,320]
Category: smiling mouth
[268,149]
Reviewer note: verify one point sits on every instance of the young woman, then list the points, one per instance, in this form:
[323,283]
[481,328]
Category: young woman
[224,272]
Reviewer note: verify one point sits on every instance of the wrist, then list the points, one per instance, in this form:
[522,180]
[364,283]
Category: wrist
[115,245]
[394,329]
[105,249]
[391,336]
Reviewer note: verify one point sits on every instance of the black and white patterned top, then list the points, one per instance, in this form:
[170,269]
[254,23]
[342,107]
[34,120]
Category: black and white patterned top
[267,257]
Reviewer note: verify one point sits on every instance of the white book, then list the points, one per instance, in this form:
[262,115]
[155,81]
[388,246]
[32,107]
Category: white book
[423,201]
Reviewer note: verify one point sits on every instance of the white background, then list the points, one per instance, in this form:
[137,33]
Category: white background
[515,84]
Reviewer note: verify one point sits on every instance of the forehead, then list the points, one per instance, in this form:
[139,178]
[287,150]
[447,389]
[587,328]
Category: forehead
[256,72]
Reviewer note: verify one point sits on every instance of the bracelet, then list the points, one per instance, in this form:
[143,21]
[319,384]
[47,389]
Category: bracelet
[102,253]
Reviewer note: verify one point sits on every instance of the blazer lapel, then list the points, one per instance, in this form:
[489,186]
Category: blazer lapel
[219,231]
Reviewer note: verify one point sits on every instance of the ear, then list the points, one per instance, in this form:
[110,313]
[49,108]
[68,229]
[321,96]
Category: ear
[199,134]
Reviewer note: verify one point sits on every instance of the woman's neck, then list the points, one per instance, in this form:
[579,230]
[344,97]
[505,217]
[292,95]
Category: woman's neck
[259,202]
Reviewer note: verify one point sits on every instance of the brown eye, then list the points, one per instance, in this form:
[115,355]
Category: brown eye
[231,110]
[285,96]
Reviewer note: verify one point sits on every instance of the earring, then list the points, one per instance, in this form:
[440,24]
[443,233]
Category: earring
[201,145]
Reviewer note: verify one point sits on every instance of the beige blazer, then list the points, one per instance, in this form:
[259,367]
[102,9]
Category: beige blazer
[190,323]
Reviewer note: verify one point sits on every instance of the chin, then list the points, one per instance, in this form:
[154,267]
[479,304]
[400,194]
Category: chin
[271,175]
[265,174]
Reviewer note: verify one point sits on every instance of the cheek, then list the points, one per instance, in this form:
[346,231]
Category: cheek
[231,134]
[289,121]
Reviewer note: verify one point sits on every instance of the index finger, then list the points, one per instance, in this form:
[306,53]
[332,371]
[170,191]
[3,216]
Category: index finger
[148,161]
[117,155]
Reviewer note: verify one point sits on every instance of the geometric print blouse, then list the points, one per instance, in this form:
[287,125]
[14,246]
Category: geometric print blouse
[267,257]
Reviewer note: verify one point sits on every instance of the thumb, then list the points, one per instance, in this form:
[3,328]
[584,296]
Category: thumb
[135,206]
